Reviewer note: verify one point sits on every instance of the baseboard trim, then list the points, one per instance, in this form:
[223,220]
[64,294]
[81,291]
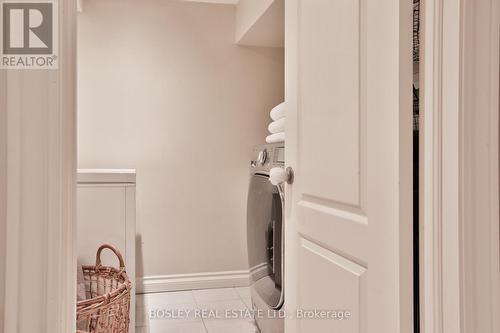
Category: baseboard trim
[178,282]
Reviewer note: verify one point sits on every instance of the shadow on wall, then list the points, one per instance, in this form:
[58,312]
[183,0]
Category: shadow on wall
[139,259]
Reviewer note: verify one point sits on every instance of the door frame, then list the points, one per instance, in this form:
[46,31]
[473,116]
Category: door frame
[37,191]
[449,148]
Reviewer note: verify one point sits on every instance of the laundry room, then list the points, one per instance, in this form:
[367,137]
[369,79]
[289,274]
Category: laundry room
[249,166]
[173,99]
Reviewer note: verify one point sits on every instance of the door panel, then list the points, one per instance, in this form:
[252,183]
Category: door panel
[349,140]
[329,73]
[329,225]
[330,282]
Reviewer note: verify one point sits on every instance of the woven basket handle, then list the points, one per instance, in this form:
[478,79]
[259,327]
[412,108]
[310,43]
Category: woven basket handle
[112,248]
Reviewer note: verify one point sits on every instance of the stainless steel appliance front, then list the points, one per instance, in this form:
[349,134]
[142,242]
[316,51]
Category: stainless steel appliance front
[265,233]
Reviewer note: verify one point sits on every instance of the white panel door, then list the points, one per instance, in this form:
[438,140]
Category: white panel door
[348,223]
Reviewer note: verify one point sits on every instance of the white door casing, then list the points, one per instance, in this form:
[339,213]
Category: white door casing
[38,181]
[3,193]
[479,183]
[349,140]
[460,282]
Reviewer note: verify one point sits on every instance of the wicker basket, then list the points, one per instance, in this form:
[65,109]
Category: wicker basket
[107,289]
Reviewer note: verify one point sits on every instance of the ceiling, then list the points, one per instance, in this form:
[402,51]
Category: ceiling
[229,2]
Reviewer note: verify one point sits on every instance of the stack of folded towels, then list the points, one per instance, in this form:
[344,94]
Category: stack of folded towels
[277,126]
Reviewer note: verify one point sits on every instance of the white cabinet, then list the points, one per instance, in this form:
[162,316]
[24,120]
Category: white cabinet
[106,214]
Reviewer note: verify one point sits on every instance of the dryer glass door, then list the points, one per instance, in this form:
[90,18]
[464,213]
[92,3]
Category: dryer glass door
[264,226]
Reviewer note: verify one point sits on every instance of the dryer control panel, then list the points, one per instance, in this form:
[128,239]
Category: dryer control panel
[267,156]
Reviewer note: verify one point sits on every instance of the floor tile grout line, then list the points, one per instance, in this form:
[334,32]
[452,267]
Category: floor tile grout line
[199,308]
[204,324]
[198,304]
[147,321]
[243,300]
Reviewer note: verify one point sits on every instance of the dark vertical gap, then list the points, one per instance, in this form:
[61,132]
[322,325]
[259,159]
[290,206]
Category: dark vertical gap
[416,254]
[416,137]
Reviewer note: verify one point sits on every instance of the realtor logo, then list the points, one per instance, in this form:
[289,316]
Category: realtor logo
[29,34]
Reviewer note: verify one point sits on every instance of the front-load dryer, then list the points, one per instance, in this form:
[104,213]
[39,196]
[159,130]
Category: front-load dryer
[265,236]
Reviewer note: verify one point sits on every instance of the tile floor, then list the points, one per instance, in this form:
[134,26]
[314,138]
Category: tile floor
[197,311]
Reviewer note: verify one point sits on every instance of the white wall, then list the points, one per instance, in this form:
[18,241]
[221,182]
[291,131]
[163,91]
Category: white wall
[260,23]
[163,89]
[247,12]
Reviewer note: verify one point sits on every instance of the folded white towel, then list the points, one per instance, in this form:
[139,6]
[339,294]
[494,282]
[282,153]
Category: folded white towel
[277,126]
[278,111]
[277,137]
